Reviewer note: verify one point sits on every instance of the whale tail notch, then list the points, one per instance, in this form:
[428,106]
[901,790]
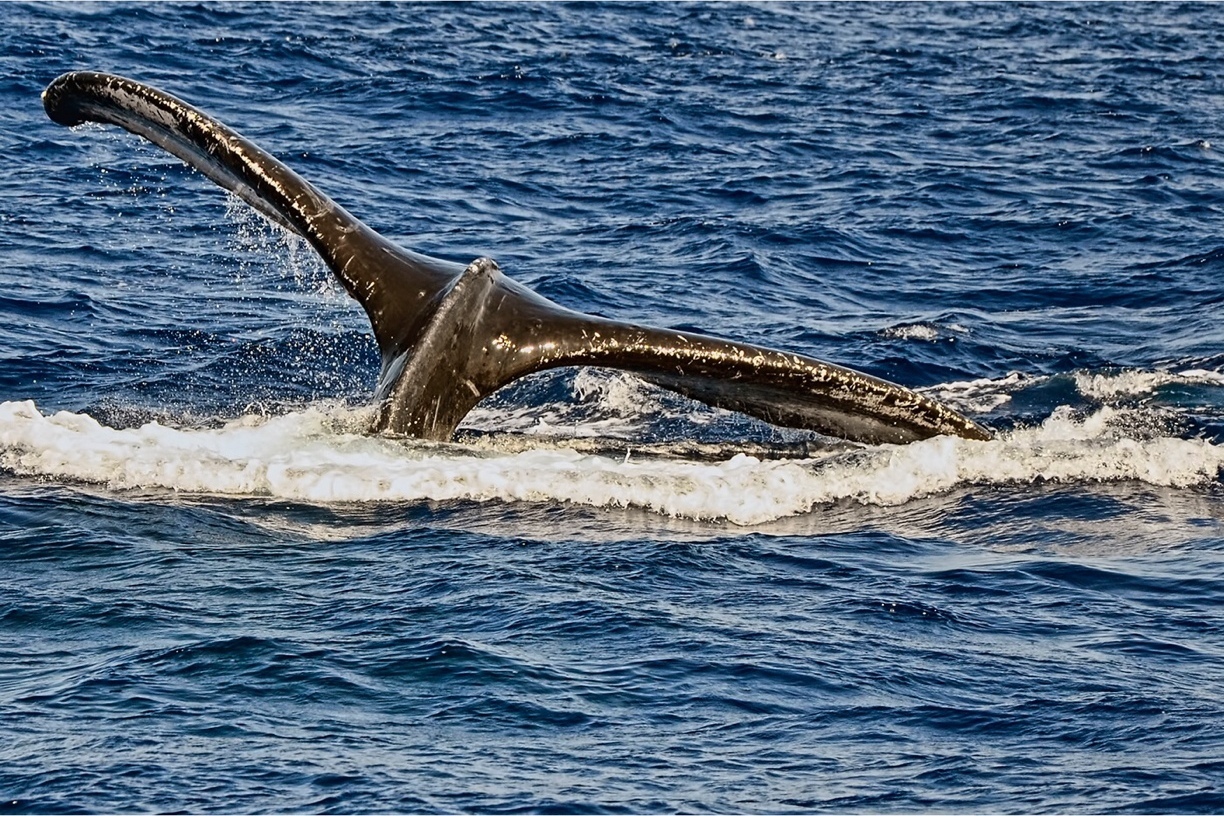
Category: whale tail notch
[451,335]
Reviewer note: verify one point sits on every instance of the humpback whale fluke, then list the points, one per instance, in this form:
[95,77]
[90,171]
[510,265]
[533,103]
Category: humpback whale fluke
[451,335]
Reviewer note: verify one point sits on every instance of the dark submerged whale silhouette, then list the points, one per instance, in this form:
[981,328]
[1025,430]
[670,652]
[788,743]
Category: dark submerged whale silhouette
[451,335]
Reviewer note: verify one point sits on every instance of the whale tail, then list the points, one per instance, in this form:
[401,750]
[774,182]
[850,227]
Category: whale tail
[450,335]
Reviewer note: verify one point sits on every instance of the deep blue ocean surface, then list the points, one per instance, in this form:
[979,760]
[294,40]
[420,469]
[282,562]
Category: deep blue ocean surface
[218,594]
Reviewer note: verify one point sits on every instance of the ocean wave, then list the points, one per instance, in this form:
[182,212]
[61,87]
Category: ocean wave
[319,455]
[984,395]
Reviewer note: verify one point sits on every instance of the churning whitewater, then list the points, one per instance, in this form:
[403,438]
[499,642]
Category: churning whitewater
[318,455]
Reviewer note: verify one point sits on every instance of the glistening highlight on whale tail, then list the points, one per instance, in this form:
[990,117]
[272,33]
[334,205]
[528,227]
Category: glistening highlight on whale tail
[450,334]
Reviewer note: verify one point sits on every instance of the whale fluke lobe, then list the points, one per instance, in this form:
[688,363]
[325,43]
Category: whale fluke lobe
[450,335]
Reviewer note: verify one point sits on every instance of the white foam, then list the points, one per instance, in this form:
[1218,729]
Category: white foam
[985,395]
[913,331]
[606,404]
[1117,384]
[925,332]
[315,456]
[979,396]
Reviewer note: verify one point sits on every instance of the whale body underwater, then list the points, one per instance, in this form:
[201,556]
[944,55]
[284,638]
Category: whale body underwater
[449,335]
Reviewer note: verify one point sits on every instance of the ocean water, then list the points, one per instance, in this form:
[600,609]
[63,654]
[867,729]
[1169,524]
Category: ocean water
[217,593]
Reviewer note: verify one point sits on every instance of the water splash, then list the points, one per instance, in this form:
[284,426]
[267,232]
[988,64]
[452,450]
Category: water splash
[319,455]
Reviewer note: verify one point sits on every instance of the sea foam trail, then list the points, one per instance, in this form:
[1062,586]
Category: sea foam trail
[985,395]
[308,456]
